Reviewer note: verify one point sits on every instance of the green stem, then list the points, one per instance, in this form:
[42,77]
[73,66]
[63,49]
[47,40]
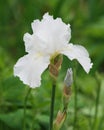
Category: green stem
[97,103]
[75,100]
[52,105]
[25,103]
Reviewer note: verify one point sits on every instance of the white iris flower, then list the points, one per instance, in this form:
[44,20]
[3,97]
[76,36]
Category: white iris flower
[50,38]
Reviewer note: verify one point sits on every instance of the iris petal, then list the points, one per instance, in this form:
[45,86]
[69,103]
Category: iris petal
[29,68]
[80,53]
[52,31]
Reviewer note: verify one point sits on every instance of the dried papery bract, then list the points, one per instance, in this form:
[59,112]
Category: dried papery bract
[61,116]
[55,66]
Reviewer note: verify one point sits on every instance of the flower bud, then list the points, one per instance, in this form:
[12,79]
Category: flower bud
[67,88]
[69,78]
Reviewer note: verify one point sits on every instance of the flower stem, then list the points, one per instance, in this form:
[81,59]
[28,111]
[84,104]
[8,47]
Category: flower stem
[25,103]
[97,103]
[75,100]
[52,105]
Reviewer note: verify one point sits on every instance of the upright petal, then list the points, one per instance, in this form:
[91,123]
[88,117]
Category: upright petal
[29,69]
[52,31]
[80,53]
[33,43]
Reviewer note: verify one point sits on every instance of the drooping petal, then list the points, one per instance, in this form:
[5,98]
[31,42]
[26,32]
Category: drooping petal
[53,31]
[80,53]
[29,69]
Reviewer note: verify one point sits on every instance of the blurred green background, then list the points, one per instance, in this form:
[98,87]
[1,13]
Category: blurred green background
[87,23]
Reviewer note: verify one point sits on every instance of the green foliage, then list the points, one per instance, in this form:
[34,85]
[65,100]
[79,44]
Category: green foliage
[87,23]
